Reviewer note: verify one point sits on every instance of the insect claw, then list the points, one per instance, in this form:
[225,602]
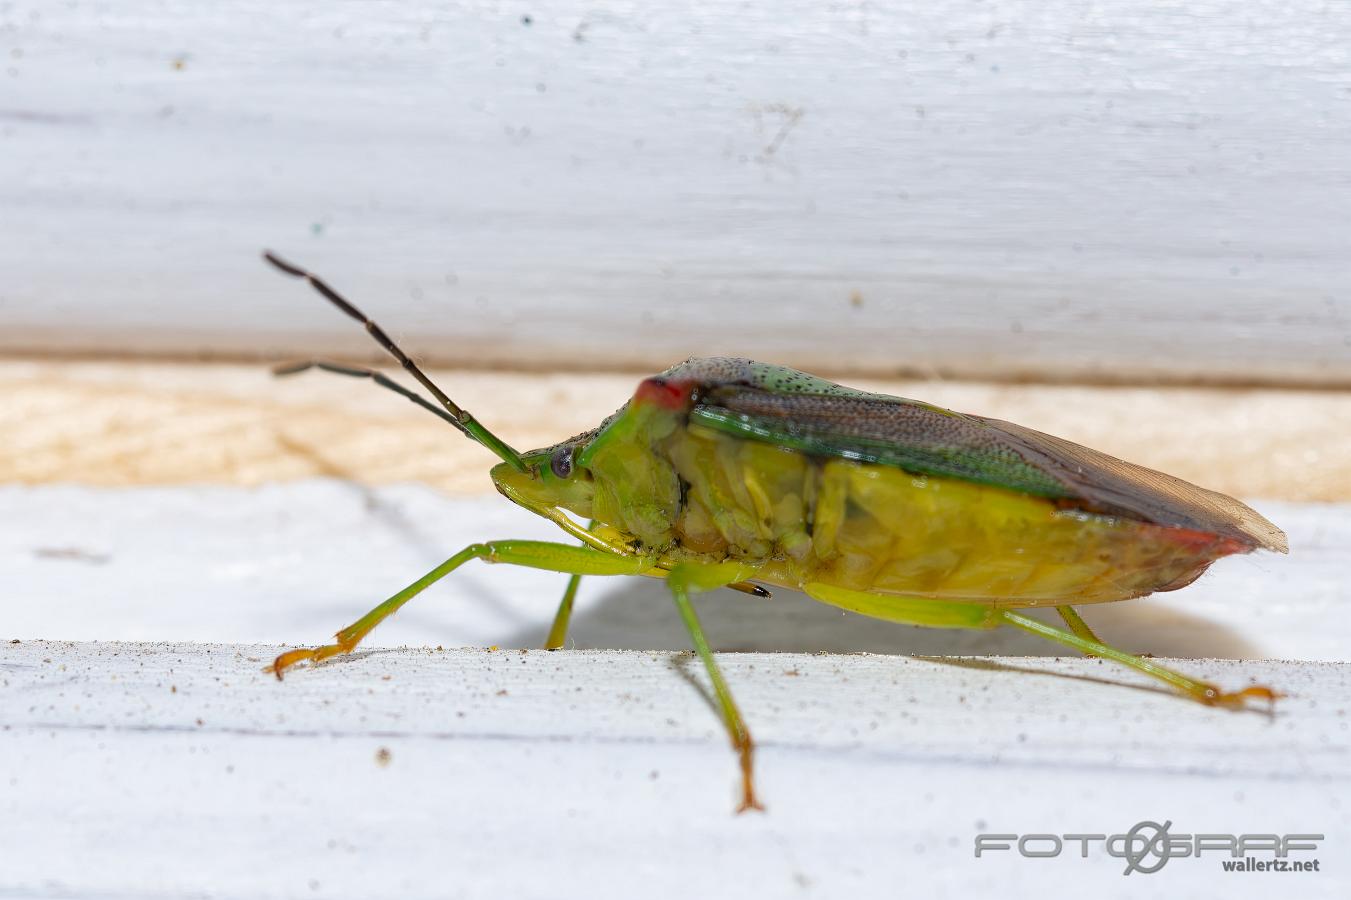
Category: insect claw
[1213,696]
[748,801]
[315,654]
[746,751]
[285,660]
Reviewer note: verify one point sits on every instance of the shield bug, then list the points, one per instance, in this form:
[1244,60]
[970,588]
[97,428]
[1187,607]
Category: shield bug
[734,473]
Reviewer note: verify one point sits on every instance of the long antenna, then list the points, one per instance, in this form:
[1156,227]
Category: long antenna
[380,378]
[467,423]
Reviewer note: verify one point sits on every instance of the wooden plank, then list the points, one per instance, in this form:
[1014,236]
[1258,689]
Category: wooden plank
[1132,192]
[295,562]
[182,770]
[142,424]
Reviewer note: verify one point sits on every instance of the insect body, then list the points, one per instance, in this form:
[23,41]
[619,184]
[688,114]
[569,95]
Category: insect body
[733,473]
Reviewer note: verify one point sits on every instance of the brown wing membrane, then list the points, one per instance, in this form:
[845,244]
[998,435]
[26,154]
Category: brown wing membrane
[1118,486]
[918,437]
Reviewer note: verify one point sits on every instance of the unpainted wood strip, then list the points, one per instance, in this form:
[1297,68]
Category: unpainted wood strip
[171,423]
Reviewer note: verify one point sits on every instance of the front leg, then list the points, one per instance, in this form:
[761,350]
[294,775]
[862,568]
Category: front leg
[533,554]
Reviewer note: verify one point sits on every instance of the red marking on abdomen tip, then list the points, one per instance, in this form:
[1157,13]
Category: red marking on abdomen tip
[666,393]
[1207,542]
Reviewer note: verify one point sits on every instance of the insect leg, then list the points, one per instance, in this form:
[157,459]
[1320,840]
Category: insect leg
[378,377]
[906,610]
[1202,691]
[1076,623]
[533,554]
[687,577]
[558,631]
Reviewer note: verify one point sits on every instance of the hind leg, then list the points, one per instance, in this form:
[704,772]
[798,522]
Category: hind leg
[1201,691]
[951,614]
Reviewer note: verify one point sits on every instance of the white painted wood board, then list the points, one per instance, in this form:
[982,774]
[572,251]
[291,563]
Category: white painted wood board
[295,562]
[167,770]
[999,189]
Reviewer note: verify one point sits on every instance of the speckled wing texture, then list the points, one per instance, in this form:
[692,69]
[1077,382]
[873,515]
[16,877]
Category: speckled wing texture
[805,413]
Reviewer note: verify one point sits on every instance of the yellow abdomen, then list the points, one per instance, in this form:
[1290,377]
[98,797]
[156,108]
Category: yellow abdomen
[882,530]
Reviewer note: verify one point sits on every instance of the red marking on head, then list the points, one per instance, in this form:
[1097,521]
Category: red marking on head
[666,393]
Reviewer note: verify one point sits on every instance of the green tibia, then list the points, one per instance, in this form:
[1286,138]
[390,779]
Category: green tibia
[1076,623]
[946,614]
[558,631]
[1202,691]
[907,610]
[532,554]
[687,578]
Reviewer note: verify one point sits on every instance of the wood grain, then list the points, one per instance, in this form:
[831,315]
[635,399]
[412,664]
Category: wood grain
[165,423]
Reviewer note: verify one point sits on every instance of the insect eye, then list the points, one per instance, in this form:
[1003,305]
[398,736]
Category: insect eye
[561,462]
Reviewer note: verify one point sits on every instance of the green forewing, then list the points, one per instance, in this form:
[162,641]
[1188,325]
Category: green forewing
[822,437]
[798,411]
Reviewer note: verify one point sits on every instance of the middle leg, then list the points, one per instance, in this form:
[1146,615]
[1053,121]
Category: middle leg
[687,578]
[1077,624]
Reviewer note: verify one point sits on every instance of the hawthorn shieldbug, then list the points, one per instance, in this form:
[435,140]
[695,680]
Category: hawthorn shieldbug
[734,473]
